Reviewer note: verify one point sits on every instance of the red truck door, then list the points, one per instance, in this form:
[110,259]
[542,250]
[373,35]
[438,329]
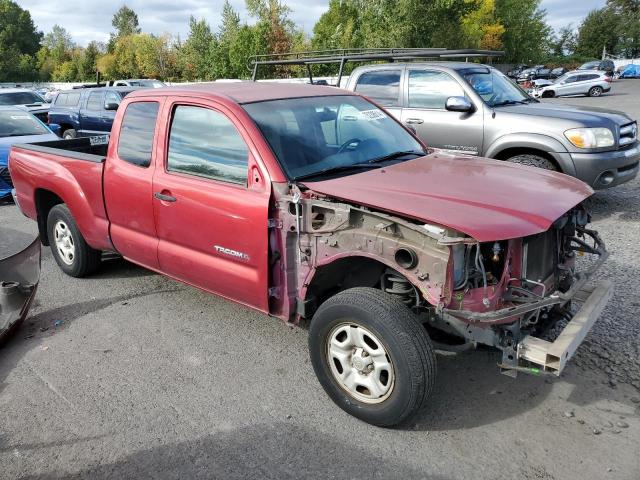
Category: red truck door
[128,181]
[211,202]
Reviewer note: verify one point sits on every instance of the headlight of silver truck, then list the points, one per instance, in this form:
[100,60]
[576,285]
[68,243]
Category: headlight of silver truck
[590,137]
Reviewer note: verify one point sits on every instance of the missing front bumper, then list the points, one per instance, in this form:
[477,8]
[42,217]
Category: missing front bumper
[551,357]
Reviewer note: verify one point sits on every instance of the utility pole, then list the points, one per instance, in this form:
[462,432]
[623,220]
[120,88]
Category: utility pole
[604,52]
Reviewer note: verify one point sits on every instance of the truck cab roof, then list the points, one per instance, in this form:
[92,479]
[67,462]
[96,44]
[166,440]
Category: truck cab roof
[246,92]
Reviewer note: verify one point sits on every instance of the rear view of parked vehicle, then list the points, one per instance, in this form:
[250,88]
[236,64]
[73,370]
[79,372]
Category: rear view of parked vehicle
[602,65]
[27,99]
[592,83]
[88,111]
[18,126]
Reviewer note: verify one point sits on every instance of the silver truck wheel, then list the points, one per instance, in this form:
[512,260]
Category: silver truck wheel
[64,242]
[69,248]
[360,363]
[372,356]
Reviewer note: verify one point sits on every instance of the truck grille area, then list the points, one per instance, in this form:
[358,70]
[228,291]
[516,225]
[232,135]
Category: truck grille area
[540,255]
[628,134]
[5,178]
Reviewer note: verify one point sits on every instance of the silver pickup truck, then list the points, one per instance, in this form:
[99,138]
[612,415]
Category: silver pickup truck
[475,109]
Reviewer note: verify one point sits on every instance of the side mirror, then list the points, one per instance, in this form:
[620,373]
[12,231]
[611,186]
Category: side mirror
[111,106]
[459,104]
[55,128]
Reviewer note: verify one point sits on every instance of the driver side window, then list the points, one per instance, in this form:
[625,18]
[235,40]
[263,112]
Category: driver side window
[430,89]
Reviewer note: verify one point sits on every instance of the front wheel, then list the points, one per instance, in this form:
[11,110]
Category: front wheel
[372,356]
[595,91]
[69,248]
[69,134]
[532,160]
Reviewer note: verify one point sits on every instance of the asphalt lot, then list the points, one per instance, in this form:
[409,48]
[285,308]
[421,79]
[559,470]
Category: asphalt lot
[147,378]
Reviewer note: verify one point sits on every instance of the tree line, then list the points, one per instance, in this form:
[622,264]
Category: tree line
[518,27]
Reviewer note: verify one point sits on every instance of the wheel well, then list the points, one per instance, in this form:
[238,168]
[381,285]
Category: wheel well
[512,152]
[341,275]
[65,126]
[45,201]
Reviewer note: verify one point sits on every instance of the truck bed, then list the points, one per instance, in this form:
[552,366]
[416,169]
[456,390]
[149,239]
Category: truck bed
[91,149]
[64,171]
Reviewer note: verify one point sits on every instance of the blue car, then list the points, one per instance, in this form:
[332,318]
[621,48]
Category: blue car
[17,125]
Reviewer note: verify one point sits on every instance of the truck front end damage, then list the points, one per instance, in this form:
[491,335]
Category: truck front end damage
[513,294]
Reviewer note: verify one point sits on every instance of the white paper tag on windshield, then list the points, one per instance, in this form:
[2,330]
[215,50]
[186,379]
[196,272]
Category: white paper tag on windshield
[371,115]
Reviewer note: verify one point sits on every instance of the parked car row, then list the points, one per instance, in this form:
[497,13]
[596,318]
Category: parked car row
[524,73]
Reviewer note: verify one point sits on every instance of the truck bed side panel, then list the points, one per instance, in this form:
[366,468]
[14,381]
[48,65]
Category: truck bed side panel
[77,182]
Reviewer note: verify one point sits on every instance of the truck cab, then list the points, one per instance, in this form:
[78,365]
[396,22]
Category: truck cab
[86,112]
[310,202]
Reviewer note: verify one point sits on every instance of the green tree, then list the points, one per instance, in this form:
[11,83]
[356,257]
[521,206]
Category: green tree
[481,27]
[526,34]
[197,51]
[19,42]
[598,30]
[628,14]
[125,21]
[59,44]
[564,42]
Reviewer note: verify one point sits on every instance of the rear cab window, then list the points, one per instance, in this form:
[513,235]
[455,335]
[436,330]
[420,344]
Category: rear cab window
[71,99]
[135,143]
[383,86]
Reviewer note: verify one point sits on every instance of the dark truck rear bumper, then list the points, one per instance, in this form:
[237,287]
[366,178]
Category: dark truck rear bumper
[607,169]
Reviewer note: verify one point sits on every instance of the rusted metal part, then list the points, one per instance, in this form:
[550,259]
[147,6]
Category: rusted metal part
[320,232]
[19,277]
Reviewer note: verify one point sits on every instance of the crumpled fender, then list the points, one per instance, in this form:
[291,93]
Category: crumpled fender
[19,278]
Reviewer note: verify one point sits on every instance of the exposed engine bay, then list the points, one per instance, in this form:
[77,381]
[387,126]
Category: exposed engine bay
[491,293]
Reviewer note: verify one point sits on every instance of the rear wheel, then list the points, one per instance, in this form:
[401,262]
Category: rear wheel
[372,356]
[532,160]
[595,91]
[69,133]
[69,248]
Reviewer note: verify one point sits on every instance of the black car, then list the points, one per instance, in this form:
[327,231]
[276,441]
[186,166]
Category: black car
[557,72]
[604,65]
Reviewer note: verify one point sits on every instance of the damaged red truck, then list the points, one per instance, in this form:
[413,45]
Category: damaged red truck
[312,202]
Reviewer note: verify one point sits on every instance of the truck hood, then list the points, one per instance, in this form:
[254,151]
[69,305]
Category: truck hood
[587,116]
[486,199]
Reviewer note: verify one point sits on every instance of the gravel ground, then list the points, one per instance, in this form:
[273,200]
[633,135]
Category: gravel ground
[128,374]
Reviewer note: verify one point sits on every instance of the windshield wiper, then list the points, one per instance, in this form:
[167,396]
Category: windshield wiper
[509,102]
[368,164]
[395,155]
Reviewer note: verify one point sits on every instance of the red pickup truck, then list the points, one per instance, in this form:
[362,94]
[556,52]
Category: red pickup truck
[312,202]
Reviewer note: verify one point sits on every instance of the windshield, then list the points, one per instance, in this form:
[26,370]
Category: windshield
[562,78]
[147,83]
[322,135]
[589,66]
[20,98]
[14,123]
[494,88]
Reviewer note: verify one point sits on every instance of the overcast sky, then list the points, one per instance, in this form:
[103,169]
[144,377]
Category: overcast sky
[88,20]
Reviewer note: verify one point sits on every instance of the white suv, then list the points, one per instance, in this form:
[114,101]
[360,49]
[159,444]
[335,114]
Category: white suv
[592,83]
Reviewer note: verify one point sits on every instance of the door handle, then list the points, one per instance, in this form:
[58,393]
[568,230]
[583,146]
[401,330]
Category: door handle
[414,121]
[164,197]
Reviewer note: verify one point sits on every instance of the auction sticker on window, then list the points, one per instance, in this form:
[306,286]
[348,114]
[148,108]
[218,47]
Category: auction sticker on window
[374,114]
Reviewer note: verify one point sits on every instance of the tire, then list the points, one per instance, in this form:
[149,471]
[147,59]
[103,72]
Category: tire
[69,133]
[595,91]
[532,160]
[69,248]
[383,321]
